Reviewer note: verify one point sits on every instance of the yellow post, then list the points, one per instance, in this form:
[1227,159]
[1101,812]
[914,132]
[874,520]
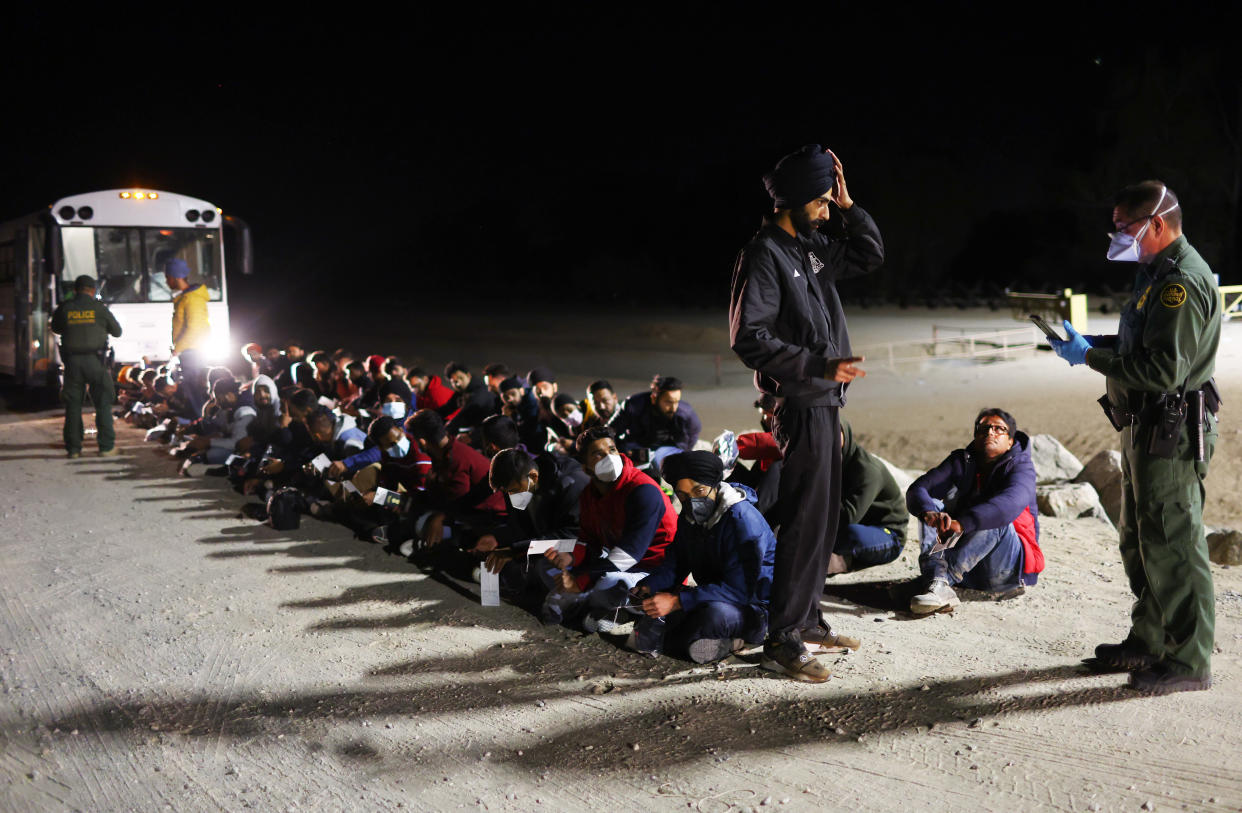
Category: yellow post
[1077,310]
[1231,308]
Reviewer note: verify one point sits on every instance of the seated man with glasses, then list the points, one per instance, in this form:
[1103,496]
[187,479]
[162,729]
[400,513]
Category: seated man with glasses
[980,522]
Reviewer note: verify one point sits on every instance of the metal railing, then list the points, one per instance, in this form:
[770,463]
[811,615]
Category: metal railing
[949,343]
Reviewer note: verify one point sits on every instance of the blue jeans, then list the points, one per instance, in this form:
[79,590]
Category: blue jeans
[867,546]
[676,631]
[988,560]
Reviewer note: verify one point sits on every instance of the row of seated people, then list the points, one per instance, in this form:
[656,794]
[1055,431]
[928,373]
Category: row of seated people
[697,583]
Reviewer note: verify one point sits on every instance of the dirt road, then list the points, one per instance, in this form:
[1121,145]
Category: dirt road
[157,651]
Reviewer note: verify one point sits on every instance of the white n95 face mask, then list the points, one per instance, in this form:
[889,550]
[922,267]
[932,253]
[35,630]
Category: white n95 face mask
[394,409]
[1124,248]
[609,468]
[521,499]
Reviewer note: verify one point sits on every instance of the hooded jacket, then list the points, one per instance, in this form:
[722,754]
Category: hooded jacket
[785,318]
[190,327]
[1006,495]
[869,494]
[731,558]
[555,508]
[237,421]
[439,396]
[626,528]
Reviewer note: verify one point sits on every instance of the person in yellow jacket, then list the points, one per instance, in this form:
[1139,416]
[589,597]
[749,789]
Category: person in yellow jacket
[190,329]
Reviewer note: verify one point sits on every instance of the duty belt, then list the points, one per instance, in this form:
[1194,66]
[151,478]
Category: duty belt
[1164,415]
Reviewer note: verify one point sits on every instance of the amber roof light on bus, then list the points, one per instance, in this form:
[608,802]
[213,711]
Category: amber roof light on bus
[125,196]
[191,215]
[208,215]
[66,212]
[85,212]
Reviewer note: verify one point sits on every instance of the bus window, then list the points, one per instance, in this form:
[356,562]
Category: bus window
[79,251]
[199,248]
[129,262]
[119,265]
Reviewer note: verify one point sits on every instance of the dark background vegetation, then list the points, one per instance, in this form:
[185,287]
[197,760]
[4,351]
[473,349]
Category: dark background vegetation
[410,164]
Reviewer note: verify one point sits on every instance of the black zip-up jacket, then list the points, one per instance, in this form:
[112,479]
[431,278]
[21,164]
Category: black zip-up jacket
[785,318]
[553,512]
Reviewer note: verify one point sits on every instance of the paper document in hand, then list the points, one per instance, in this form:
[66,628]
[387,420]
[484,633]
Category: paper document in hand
[386,498]
[350,488]
[539,546]
[946,542]
[489,588]
[321,462]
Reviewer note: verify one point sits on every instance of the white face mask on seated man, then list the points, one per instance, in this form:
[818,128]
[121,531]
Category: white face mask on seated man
[608,469]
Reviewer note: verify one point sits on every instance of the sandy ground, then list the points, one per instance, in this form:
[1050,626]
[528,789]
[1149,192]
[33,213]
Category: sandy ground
[159,652]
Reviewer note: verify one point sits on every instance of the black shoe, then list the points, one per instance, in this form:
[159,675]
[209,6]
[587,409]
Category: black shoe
[217,471]
[1159,679]
[256,511]
[1123,657]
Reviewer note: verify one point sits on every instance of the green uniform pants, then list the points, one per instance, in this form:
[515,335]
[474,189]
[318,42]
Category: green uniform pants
[84,370]
[1165,553]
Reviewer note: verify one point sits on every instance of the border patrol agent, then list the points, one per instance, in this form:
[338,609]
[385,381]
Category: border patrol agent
[1161,398]
[84,324]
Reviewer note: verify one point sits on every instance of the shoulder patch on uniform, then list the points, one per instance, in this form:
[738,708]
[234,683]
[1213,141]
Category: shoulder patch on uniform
[1173,295]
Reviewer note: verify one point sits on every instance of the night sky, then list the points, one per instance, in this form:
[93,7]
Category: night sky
[621,163]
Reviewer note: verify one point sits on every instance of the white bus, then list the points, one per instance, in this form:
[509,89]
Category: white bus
[122,238]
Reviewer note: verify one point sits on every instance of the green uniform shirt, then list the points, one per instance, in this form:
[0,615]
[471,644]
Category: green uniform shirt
[1169,331]
[84,324]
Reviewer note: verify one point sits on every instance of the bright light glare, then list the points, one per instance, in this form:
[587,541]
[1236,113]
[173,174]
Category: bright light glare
[139,196]
[153,195]
[218,349]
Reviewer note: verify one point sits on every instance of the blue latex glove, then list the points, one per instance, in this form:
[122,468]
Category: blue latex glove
[1074,349]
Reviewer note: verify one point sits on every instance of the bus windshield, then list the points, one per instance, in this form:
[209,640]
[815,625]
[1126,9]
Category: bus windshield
[129,262]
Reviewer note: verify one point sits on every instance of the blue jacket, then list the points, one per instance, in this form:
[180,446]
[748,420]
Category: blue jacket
[992,503]
[641,425]
[731,560]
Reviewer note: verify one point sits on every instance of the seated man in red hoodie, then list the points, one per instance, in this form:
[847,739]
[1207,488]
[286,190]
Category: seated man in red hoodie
[430,390]
[626,523]
[457,494]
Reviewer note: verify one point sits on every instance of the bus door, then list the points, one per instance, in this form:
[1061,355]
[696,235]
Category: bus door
[43,302]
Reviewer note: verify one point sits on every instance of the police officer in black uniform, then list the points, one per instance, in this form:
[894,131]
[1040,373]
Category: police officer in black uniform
[84,324]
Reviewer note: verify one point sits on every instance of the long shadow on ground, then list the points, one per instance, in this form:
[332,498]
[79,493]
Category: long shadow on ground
[671,731]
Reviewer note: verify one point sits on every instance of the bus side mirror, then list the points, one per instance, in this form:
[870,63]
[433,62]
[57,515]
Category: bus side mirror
[238,253]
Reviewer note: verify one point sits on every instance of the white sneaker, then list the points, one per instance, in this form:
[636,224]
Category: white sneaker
[939,598]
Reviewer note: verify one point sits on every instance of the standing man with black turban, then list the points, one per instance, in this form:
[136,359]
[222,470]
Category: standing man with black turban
[786,323]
